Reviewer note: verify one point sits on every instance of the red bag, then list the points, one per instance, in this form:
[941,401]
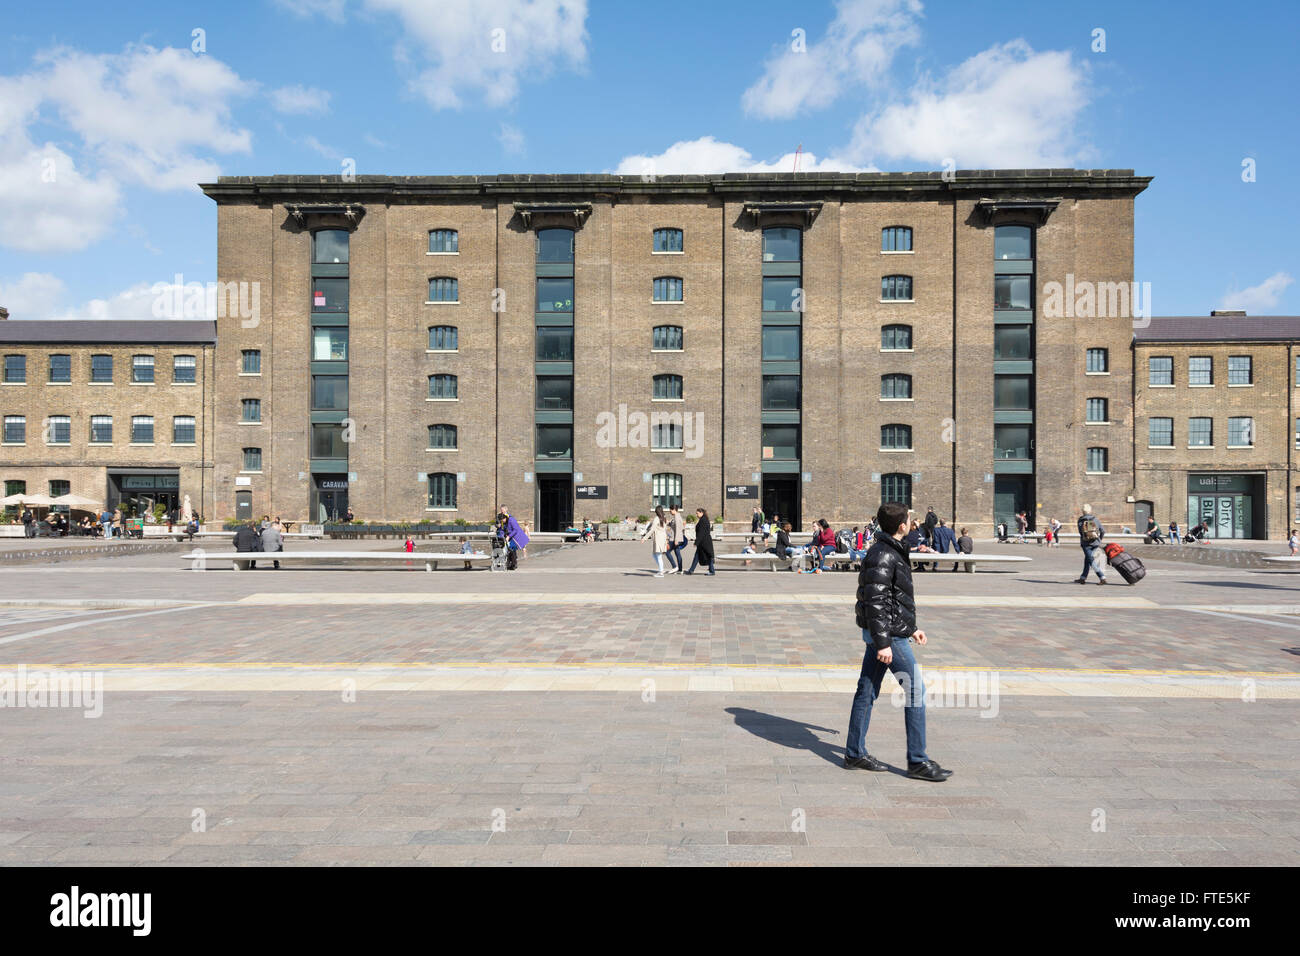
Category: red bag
[1113,549]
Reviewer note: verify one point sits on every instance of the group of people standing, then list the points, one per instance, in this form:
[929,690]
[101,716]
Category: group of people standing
[267,536]
[667,533]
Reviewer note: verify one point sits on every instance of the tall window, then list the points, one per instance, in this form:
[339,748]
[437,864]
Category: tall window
[329,393]
[780,442]
[141,429]
[142,369]
[327,441]
[183,430]
[781,392]
[554,245]
[60,430]
[445,241]
[782,244]
[443,386]
[443,338]
[668,289]
[1200,370]
[329,343]
[1011,442]
[896,239]
[1012,293]
[554,343]
[250,410]
[667,338]
[444,289]
[1097,411]
[329,294]
[666,489]
[250,361]
[1013,392]
[15,429]
[554,295]
[667,388]
[896,338]
[1098,460]
[666,437]
[895,386]
[780,343]
[183,369]
[1013,242]
[15,369]
[1239,370]
[1160,370]
[1241,432]
[101,369]
[555,441]
[896,437]
[896,489]
[896,288]
[442,490]
[442,437]
[1160,432]
[330,246]
[668,240]
[60,368]
[781,294]
[1098,360]
[554,392]
[252,459]
[101,429]
[1013,342]
[1200,432]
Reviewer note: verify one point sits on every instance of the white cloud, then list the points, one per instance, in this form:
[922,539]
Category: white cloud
[299,99]
[34,296]
[1005,107]
[484,47]
[39,295]
[47,204]
[329,152]
[858,49]
[708,155]
[511,139]
[329,9]
[1258,299]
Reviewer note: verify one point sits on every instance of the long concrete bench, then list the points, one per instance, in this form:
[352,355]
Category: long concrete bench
[242,559]
[1284,559]
[927,557]
[761,557]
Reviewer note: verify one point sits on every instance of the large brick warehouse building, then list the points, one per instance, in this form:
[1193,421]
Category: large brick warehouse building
[430,347]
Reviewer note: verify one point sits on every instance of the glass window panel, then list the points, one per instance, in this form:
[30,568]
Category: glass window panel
[142,429]
[101,428]
[779,293]
[60,430]
[668,240]
[442,436]
[1013,242]
[1200,370]
[330,245]
[667,387]
[183,369]
[896,386]
[780,442]
[329,392]
[251,410]
[444,289]
[667,289]
[555,344]
[896,436]
[329,343]
[896,488]
[327,441]
[1239,370]
[667,491]
[329,295]
[1200,432]
[59,487]
[60,368]
[1241,431]
[444,386]
[554,392]
[668,338]
[1011,442]
[554,295]
[444,338]
[1012,392]
[896,239]
[1098,459]
[1012,342]
[1160,432]
[781,392]
[554,441]
[896,288]
[251,361]
[554,245]
[1160,370]
[442,490]
[1097,410]
[183,429]
[16,369]
[252,459]
[1011,292]
[142,368]
[896,337]
[15,429]
[780,343]
[101,368]
[444,240]
[1098,360]
[782,244]
[666,436]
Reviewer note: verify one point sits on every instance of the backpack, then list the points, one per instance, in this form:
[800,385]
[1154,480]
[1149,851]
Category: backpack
[1088,532]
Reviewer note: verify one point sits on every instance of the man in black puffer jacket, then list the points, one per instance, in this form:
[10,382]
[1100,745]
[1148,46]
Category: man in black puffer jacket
[886,612]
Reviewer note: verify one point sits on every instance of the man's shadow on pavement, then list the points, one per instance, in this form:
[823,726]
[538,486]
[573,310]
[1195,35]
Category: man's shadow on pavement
[791,733]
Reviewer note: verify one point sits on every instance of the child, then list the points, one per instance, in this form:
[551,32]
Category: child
[409,547]
[1294,542]
[749,548]
[467,548]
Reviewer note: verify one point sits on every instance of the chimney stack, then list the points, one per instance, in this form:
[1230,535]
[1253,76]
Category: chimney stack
[4,313]
[1227,314]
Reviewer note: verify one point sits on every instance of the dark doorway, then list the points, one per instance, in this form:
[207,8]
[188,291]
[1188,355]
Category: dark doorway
[781,497]
[554,503]
[1142,510]
[243,506]
[1012,494]
[331,497]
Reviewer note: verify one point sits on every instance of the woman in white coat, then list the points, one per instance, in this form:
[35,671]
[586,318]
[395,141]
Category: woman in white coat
[658,533]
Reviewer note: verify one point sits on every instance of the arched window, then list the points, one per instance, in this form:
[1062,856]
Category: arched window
[442,436]
[896,338]
[444,241]
[1013,242]
[667,489]
[895,386]
[896,488]
[442,491]
[668,289]
[668,388]
[444,289]
[443,386]
[329,246]
[443,338]
[667,338]
[668,240]
[554,245]
[896,437]
[782,244]
[896,288]
[896,239]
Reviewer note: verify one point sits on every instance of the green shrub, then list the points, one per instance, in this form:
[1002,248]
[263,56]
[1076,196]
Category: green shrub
[642,519]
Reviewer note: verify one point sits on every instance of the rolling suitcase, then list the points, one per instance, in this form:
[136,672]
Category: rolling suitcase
[1129,566]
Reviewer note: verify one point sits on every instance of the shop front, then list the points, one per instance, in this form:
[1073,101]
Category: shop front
[139,492]
[1232,505]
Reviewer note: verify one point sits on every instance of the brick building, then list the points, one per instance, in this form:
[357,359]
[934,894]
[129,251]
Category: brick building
[113,411]
[429,347]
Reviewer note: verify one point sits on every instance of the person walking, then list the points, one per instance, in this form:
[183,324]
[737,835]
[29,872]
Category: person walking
[272,539]
[757,521]
[1090,534]
[1022,526]
[657,532]
[703,541]
[928,525]
[886,612]
[676,539]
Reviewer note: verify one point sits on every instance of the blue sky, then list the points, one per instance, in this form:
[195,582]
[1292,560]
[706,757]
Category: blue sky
[108,117]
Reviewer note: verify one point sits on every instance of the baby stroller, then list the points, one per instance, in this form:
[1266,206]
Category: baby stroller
[500,553]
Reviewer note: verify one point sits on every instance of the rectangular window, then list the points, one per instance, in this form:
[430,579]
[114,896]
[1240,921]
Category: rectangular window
[183,430]
[782,245]
[554,392]
[252,459]
[142,369]
[1011,442]
[667,491]
[250,410]
[1012,392]
[442,491]
[15,429]
[15,369]
[444,386]
[329,295]
[329,343]
[667,338]
[444,240]
[896,239]
[444,338]
[1200,432]
[327,442]
[894,338]
[668,289]
[142,430]
[780,294]
[1160,370]
[183,369]
[1097,410]
[101,429]
[444,289]
[1241,432]
[1011,292]
[666,437]
[1098,460]
[250,361]
[442,437]
[60,368]
[555,441]
[554,343]
[60,430]
[554,245]
[329,392]
[1012,342]
[780,343]
[59,487]
[554,295]
[1160,432]
[667,388]
[896,288]
[1200,370]
[780,442]
[1239,370]
[13,487]
[101,369]
[668,240]
[1098,360]
[781,392]
[896,437]
[330,246]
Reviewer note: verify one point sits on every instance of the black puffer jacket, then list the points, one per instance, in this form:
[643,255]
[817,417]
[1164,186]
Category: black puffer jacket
[886,605]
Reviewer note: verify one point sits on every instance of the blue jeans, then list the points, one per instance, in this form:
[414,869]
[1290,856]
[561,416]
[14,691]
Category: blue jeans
[695,560]
[1088,553]
[908,672]
[675,555]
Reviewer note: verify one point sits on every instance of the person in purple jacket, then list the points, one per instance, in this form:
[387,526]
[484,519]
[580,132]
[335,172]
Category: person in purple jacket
[508,529]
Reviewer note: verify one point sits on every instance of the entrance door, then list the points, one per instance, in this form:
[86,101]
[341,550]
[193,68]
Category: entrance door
[1011,495]
[243,506]
[331,494]
[1141,512]
[781,497]
[554,503]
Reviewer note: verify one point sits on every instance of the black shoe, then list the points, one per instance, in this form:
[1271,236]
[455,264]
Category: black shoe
[1102,581]
[929,770]
[1080,580]
[865,762]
